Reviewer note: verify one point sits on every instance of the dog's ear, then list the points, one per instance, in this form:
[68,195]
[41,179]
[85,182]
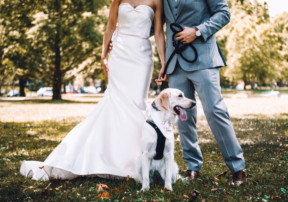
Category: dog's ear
[164,101]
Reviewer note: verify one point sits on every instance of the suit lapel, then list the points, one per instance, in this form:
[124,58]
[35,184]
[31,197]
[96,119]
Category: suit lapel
[181,5]
[168,11]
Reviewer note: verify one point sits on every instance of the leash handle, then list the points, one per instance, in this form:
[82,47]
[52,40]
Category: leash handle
[179,48]
[173,27]
[176,28]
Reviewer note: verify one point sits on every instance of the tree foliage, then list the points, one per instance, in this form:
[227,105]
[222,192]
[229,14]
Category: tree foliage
[54,36]
[256,45]
[67,32]
[54,40]
[18,58]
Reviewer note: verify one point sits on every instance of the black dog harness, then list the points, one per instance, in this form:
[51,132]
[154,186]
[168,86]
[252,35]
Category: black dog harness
[179,47]
[161,139]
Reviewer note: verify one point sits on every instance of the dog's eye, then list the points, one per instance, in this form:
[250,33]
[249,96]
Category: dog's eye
[180,95]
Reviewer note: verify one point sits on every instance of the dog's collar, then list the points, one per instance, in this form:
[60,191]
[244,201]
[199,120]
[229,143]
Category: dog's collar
[154,106]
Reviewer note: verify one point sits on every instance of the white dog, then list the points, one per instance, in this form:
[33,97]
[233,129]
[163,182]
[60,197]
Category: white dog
[157,142]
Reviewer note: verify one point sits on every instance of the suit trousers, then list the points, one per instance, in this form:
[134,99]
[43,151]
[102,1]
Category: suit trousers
[206,83]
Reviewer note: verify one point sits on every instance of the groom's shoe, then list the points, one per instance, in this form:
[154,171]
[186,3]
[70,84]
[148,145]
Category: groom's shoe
[239,178]
[192,175]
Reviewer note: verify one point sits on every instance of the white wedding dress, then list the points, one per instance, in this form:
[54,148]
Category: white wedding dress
[107,142]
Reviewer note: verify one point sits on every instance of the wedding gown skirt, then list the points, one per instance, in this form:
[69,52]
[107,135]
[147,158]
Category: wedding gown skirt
[107,142]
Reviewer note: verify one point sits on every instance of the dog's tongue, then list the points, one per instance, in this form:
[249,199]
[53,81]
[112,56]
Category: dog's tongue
[183,114]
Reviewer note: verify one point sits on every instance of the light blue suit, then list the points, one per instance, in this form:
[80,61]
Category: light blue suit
[208,16]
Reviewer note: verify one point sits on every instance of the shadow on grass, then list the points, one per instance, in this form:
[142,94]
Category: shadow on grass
[264,142]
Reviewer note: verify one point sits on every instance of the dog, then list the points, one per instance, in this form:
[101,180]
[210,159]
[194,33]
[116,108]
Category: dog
[157,140]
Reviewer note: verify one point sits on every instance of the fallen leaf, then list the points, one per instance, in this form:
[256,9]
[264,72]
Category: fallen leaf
[104,186]
[186,196]
[101,187]
[44,193]
[46,188]
[222,174]
[214,180]
[215,189]
[58,188]
[104,195]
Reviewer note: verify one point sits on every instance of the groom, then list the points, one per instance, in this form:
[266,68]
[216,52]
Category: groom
[201,19]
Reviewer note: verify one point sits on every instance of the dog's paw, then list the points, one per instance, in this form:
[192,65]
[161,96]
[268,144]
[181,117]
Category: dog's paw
[168,187]
[179,177]
[145,188]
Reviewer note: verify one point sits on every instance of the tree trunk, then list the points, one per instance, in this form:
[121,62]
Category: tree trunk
[64,88]
[22,83]
[1,83]
[57,77]
[245,81]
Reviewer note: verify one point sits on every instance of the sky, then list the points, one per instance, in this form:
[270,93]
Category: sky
[276,6]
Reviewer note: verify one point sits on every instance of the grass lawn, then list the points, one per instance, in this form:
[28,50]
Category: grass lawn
[264,141]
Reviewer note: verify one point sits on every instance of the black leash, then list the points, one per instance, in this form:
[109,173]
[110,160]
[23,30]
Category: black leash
[161,139]
[179,48]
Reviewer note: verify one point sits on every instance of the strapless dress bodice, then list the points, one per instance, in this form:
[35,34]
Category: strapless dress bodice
[135,21]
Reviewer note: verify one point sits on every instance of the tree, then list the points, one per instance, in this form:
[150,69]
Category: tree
[66,31]
[254,47]
[281,28]
[16,52]
[260,61]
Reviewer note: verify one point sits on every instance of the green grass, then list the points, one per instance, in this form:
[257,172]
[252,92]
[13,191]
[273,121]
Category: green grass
[264,141]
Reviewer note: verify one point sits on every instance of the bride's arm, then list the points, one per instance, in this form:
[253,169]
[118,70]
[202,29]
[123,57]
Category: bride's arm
[159,36]
[111,26]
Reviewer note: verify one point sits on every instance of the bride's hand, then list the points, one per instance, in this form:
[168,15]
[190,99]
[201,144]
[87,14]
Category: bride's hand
[160,79]
[105,65]
[110,46]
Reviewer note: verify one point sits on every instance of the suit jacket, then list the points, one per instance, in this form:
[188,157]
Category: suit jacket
[208,16]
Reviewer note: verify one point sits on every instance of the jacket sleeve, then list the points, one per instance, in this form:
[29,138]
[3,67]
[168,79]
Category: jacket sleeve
[219,17]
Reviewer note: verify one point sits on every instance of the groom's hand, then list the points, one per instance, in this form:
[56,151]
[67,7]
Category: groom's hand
[188,35]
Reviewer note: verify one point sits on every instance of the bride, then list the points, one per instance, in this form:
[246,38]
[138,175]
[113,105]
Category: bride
[107,142]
